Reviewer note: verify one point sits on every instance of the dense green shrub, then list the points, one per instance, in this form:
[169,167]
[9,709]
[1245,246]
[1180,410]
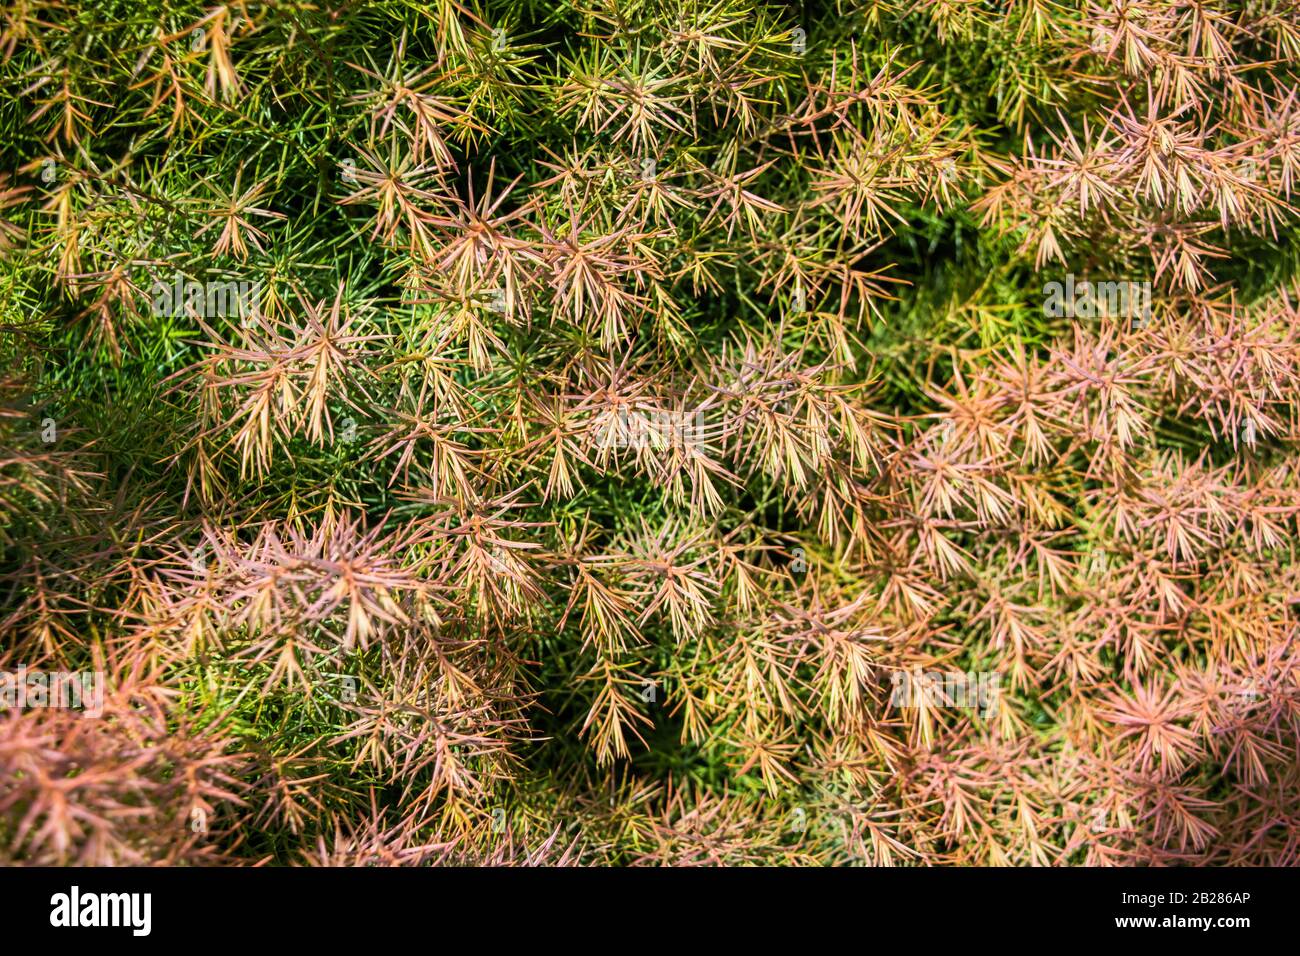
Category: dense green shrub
[527,432]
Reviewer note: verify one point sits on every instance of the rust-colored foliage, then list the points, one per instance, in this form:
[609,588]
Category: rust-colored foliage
[656,434]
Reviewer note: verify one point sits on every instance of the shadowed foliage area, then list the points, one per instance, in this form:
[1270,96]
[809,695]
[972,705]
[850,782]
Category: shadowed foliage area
[682,432]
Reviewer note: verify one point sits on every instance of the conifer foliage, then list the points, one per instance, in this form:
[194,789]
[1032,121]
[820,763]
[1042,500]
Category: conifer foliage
[651,432]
